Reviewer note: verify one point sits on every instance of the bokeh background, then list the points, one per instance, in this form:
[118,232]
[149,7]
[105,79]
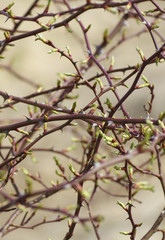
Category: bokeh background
[30,58]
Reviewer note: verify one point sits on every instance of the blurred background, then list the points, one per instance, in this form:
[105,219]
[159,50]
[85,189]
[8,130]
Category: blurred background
[30,59]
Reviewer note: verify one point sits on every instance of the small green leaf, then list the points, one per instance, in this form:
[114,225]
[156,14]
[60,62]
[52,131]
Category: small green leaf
[99,82]
[29,184]
[112,62]
[150,124]
[121,204]
[131,171]
[58,83]
[71,148]
[53,50]
[161,124]
[51,21]
[25,171]
[70,74]
[68,49]
[2,136]
[143,185]
[11,14]
[104,180]
[162,116]
[39,37]
[153,157]
[2,175]
[143,85]
[125,233]
[105,35]
[71,207]
[34,160]
[86,60]
[73,170]
[141,53]
[9,6]
[117,168]
[55,112]
[129,5]
[155,26]
[21,207]
[85,193]
[145,79]
[22,131]
[73,106]
[7,35]
[59,173]
[46,27]
[68,28]
[87,29]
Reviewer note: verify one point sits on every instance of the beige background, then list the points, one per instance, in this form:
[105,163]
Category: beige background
[29,58]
